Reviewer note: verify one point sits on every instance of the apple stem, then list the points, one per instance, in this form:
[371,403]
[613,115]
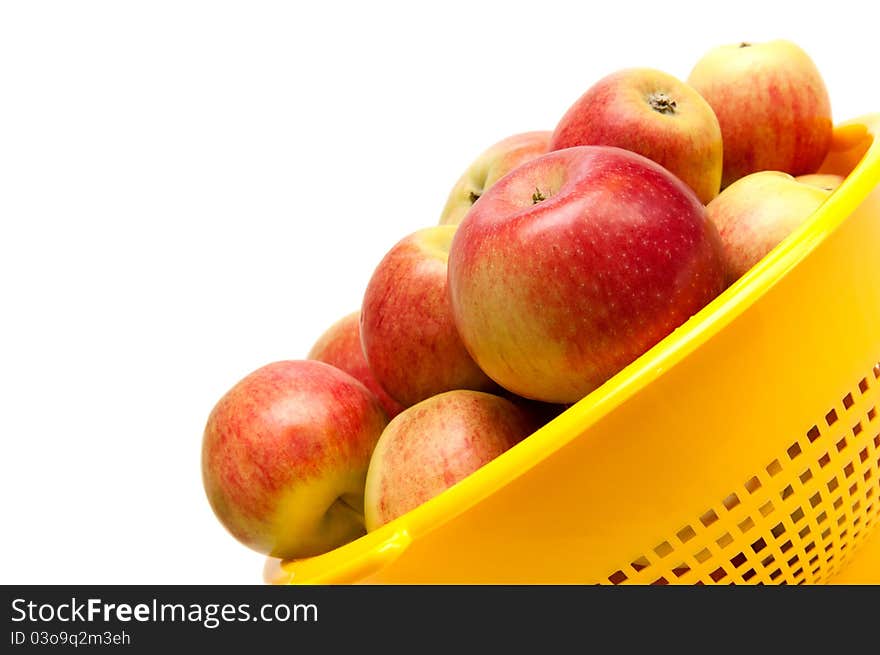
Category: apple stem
[473,197]
[660,102]
[537,196]
[744,44]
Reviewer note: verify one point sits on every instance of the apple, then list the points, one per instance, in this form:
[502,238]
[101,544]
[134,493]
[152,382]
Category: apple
[654,114]
[826,181]
[755,213]
[576,263]
[407,330]
[340,346]
[285,455]
[772,104]
[434,444]
[490,166]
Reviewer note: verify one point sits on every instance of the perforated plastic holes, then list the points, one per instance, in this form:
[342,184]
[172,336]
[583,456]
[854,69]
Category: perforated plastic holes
[800,516]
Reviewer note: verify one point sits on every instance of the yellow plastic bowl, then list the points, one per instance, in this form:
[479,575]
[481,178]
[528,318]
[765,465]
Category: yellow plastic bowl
[743,448]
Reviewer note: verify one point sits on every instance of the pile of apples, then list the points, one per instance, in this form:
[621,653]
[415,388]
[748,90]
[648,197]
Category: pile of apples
[559,259]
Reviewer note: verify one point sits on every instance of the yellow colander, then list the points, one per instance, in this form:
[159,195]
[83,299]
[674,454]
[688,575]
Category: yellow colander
[743,448]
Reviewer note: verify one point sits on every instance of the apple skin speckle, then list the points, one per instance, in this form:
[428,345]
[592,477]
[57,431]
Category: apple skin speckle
[435,444]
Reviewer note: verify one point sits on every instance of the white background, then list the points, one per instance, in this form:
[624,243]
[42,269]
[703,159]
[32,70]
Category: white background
[190,190]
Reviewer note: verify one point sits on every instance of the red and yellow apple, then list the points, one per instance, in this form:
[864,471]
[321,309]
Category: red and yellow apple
[407,330]
[340,346]
[433,445]
[654,114]
[285,455]
[576,263]
[755,213]
[490,166]
[772,105]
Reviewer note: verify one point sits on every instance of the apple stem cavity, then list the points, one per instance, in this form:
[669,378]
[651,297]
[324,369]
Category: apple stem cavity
[537,196]
[661,102]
